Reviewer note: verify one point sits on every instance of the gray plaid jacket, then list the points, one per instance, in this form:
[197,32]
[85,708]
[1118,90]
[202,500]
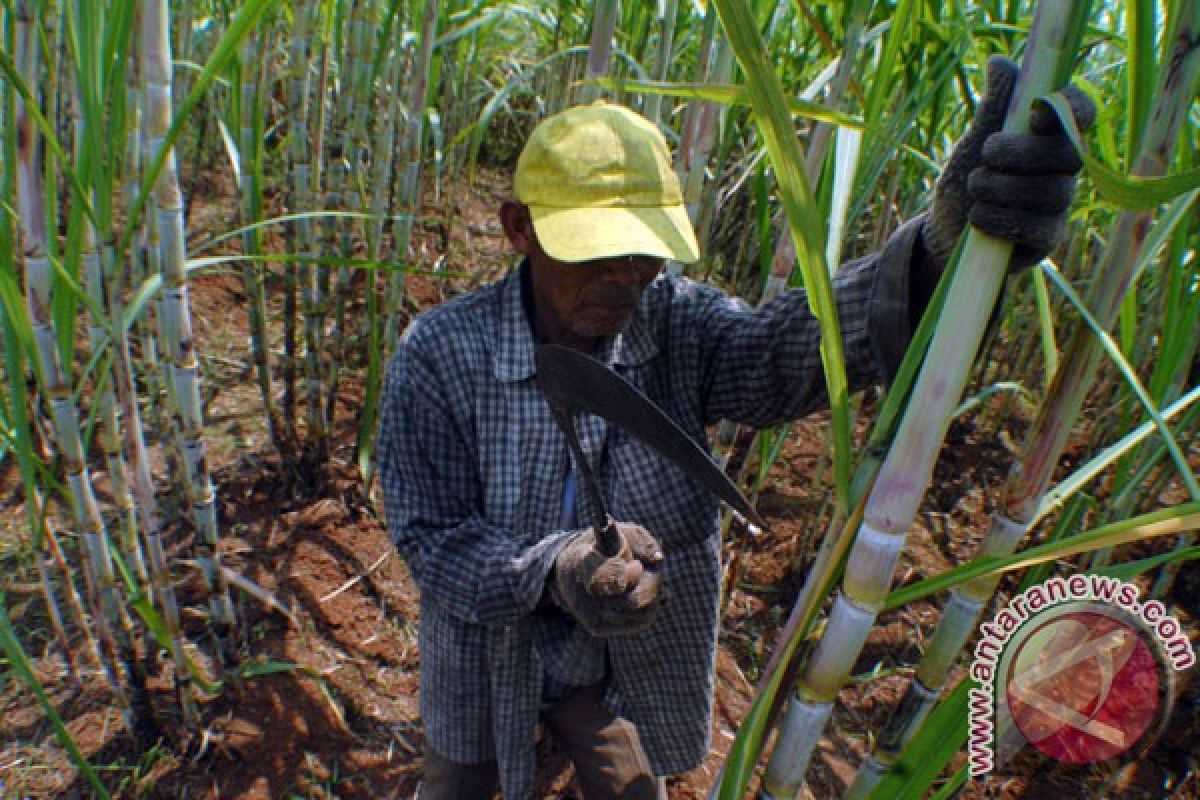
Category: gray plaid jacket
[473,467]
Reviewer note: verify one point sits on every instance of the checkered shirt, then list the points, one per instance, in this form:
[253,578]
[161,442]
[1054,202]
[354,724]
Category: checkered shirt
[473,466]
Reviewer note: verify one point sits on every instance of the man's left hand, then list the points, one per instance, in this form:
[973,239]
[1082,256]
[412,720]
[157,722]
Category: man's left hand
[1014,186]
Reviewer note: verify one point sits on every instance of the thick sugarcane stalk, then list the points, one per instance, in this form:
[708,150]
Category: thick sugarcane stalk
[907,469]
[687,127]
[410,182]
[143,326]
[146,259]
[175,321]
[604,26]
[300,232]
[67,581]
[313,285]
[55,616]
[98,289]
[662,58]
[94,282]
[703,137]
[103,595]
[390,102]
[162,589]
[355,104]
[249,145]
[700,196]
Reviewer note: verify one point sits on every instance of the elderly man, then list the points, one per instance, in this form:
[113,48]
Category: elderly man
[522,620]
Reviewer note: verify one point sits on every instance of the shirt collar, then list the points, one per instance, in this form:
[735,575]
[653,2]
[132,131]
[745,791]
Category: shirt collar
[514,350]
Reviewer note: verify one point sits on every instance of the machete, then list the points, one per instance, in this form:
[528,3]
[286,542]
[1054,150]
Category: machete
[574,382]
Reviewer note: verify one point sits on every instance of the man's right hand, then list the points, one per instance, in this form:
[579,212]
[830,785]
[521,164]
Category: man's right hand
[609,596]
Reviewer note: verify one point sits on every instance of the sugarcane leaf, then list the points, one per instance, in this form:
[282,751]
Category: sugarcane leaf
[1129,570]
[14,307]
[1045,316]
[269,668]
[479,128]
[804,219]
[971,403]
[1164,522]
[1084,473]
[1142,69]
[1130,376]
[231,152]
[730,95]
[1126,191]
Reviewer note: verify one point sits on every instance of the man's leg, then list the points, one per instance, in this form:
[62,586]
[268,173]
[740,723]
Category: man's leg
[609,761]
[446,780]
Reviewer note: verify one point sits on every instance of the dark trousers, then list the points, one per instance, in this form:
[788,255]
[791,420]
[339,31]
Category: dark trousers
[609,761]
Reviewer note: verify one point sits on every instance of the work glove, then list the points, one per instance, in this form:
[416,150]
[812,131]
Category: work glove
[609,596]
[1014,186]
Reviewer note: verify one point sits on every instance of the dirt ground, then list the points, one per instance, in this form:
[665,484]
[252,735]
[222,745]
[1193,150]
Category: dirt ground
[342,720]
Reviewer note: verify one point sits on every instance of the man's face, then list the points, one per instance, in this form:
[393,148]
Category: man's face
[578,303]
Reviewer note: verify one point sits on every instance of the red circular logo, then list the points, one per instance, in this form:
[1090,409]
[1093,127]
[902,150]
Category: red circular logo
[1083,687]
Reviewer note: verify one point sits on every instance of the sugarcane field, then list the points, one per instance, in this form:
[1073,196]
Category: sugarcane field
[701,400]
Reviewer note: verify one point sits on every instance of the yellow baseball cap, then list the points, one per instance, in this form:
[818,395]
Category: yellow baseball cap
[598,183]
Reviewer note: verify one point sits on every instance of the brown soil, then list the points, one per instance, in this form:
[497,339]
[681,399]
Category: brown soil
[335,712]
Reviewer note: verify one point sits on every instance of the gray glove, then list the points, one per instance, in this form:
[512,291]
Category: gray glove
[1015,186]
[609,596]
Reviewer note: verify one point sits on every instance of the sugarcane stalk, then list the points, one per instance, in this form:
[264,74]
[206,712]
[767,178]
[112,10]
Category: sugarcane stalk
[143,326]
[390,98]
[604,26]
[313,296]
[662,57]
[110,427]
[249,144]
[102,591]
[175,322]
[687,128]
[703,135]
[99,290]
[162,588]
[700,196]
[355,75]
[410,182]
[906,470]
[300,232]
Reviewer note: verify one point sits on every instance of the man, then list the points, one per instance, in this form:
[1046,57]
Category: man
[522,620]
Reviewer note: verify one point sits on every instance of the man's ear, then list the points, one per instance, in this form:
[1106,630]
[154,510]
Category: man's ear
[518,227]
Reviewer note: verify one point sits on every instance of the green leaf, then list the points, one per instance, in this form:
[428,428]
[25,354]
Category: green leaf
[1129,570]
[1126,191]
[1131,377]
[1164,522]
[803,215]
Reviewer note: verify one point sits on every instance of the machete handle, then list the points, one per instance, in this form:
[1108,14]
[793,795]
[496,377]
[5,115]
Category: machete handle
[609,542]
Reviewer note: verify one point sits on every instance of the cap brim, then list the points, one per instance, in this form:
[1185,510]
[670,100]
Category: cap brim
[583,234]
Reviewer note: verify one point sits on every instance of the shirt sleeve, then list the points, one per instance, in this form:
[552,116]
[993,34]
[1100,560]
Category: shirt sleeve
[761,367]
[428,471]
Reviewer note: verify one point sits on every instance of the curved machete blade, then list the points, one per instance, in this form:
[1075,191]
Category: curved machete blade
[577,382]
